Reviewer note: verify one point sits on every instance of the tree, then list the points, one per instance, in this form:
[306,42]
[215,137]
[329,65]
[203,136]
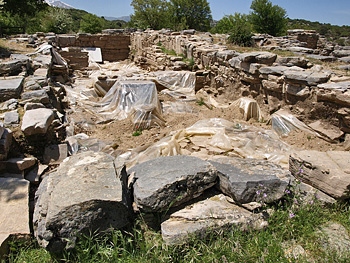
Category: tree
[195,14]
[23,7]
[268,18]
[150,14]
[57,20]
[91,24]
[240,30]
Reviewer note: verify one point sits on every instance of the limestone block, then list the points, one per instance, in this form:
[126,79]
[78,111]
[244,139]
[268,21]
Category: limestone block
[37,121]
[11,117]
[273,86]
[55,153]
[307,77]
[36,96]
[274,70]
[66,40]
[341,53]
[217,212]
[337,92]
[11,68]
[251,180]
[327,171]
[331,131]
[10,88]
[301,62]
[297,90]
[85,195]
[165,182]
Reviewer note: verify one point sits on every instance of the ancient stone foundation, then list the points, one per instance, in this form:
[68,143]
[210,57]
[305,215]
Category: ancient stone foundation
[114,47]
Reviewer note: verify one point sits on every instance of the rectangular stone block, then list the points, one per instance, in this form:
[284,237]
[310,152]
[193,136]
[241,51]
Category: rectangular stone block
[10,88]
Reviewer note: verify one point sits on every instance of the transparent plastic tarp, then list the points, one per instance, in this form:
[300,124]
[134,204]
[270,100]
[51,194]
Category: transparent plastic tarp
[56,57]
[136,98]
[178,84]
[283,122]
[216,136]
[249,107]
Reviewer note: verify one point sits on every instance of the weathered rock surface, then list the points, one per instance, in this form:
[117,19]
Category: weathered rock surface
[251,180]
[14,216]
[293,61]
[37,121]
[326,171]
[338,92]
[332,132]
[18,165]
[36,96]
[5,142]
[10,88]
[213,213]
[308,77]
[308,194]
[334,237]
[84,195]
[169,181]
[11,117]
[12,67]
[55,153]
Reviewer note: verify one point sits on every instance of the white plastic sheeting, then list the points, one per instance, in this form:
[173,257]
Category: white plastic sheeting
[249,107]
[217,136]
[137,98]
[179,84]
[283,122]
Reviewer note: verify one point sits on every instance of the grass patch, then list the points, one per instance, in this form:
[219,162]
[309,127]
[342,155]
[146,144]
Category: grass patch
[137,132]
[288,224]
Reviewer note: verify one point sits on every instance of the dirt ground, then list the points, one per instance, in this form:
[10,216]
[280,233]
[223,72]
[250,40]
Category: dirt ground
[122,137]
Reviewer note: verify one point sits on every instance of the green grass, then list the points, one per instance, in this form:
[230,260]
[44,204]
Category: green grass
[138,132]
[290,222]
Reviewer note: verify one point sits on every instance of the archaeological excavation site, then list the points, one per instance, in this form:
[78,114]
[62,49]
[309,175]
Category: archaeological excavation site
[100,129]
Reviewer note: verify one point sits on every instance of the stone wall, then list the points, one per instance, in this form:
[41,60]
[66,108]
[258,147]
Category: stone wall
[274,81]
[114,47]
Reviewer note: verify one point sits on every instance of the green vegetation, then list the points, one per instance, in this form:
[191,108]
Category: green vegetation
[293,222]
[238,27]
[264,18]
[267,18]
[174,14]
[53,19]
[194,14]
[138,132]
[91,24]
[150,14]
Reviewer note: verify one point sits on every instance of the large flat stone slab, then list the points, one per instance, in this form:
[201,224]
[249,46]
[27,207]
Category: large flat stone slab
[327,171]
[10,88]
[14,215]
[217,212]
[307,77]
[251,180]
[85,195]
[165,182]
